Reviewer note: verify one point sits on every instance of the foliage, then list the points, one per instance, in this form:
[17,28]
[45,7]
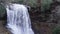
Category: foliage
[20,1]
[45,4]
[29,2]
[56,30]
[32,3]
[2,10]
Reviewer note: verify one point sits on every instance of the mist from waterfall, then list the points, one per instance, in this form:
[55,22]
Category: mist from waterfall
[18,21]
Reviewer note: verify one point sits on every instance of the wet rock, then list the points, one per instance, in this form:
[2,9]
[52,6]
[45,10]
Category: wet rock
[3,29]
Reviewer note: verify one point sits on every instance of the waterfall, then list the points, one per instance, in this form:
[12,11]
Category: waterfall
[18,21]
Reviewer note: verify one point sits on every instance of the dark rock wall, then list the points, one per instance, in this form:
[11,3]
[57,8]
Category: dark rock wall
[35,14]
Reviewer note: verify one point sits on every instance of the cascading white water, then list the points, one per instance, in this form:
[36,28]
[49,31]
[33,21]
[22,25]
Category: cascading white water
[18,21]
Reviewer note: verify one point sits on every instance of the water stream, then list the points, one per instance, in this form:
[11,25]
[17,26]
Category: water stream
[18,21]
